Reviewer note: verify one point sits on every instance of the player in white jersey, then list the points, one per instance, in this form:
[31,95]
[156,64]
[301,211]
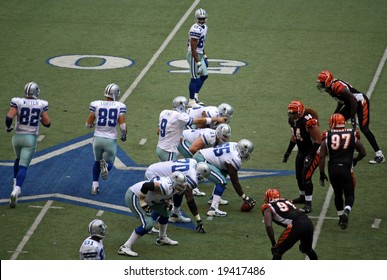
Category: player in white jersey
[154,195]
[196,56]
[194,173]
[104,117]
[226,159]
[171,125]
[29,112]
[92,247]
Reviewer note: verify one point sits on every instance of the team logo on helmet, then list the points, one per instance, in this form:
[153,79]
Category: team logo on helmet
[203,170]
[180,104]
[296,107]
[179,182]
[337,121]
[201,16]
[112,91]
[245,148]
[223,132]
[31,89]
[97,228]
[324,80]
[272,195]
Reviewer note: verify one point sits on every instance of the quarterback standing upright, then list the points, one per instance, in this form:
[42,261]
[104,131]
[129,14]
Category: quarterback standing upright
[104,116]
[196,56]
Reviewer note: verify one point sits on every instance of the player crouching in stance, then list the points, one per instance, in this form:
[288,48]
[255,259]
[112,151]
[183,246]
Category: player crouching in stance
[297,225]
[92,247]
[156,196]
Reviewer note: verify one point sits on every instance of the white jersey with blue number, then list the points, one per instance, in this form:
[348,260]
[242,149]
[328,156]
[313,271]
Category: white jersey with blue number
[206,134]
[106,117]
[165,168]
[167,191]
[91,250]
[29,112]
[171,125]
[219,155]
[200,33]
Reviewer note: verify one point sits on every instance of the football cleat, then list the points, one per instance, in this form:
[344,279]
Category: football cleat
[126,251]
[166,241]
[377,159]
[14,195]
[94,190]
[299,200]
[153,231]
[343,221]
[212,212]
[197,192]
[178,218]
[104,169]
[306,209]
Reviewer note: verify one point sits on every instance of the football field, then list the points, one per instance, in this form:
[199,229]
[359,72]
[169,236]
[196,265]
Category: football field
[262,55]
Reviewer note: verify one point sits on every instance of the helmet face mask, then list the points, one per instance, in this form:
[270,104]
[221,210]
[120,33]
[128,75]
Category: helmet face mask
[31,89]
[272,195]
[180,104]
[179,182]
[112,91]
[201,17]
[245,147]
[226,110]
[223,132]
[97,228]
[203,171]
[337,121]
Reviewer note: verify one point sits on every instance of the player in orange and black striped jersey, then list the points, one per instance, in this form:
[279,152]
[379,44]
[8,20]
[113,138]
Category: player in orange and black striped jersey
[298,226]
[350,102]
[339,144]
[305,133]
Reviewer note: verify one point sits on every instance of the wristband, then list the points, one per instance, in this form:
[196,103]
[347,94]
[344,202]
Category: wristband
[199,64]
[208,120]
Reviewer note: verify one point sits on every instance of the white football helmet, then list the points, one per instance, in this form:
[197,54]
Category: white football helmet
[226,110]
[223,132]
[31,89]
[112,91]
[180,104]
[245,148]
[179,182]
[201,16]
[202,170]
[97,228]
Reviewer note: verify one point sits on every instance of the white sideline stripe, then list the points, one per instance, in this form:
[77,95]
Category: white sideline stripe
[30,232]
[159,51]
[329,195]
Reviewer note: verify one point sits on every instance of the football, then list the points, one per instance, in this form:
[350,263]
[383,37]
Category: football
[245,207]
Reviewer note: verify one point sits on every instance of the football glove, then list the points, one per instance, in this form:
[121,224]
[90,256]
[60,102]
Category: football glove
[9,129]
[123,138]
[199,227]
[353,123]
[199,69]
[323,178]
[308,161]
[250,201]
[205,60]
[147,209]
[286,157]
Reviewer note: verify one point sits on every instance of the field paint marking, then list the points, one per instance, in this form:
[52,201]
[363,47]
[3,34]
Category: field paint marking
[329,195]
[30,232]
[100,213]
[376,223]
[159,51]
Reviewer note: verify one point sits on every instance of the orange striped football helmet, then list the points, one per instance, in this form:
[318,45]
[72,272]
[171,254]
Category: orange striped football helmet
[296,107]
[271,195]
[324,80]
[337,121]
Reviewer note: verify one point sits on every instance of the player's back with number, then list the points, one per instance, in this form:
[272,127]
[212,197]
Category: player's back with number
[284,212]
[106,117]
[220,154]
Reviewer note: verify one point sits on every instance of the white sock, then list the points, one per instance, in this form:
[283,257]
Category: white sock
[163,230]
[215,201]
[132,239]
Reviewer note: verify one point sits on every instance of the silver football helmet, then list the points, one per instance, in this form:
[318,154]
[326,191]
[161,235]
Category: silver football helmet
[226,110]
[245,148]
[180,104]
[179,182]
[203,170]
[112,91]
[31,89]
[97,228]
[223,132]
[201,16]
